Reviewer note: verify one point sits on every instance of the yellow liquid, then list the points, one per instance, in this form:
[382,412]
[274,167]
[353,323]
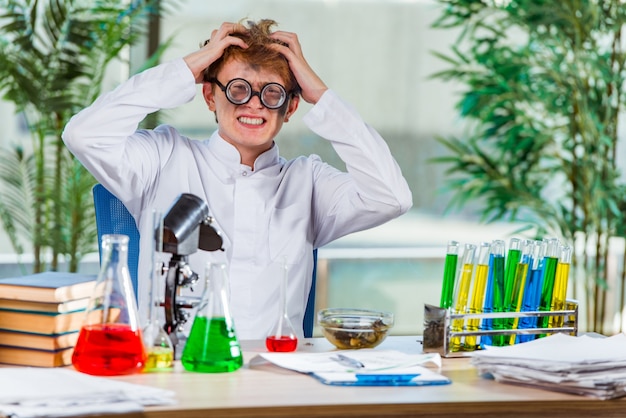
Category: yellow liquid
[159,359]
[559,294]
[476,304]
[461,304]
[521,273]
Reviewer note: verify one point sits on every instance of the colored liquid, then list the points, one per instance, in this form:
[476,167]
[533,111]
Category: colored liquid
[281,344]
[487,324]
[109,350]
[159,359]
[461,304]
[559,294]
[519,284]
[532,295]
[498,298]
[212,347]
[512,260]
[549,274]
[476,303]
[447,290]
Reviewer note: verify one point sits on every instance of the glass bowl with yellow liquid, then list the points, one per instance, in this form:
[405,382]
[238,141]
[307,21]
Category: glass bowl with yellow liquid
[348,328]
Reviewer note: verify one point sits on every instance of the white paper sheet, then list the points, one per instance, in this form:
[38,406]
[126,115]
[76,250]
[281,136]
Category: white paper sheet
[372,360]
[388,367]
[27,392]
[581,365]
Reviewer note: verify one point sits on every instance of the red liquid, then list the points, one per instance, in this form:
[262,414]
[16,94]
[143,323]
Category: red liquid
[281,344]
[109,350]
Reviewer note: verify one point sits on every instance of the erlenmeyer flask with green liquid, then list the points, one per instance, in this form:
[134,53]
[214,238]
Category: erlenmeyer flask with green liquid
[212,346]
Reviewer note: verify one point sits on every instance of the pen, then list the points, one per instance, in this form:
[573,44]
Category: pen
[386,378]
[348,361]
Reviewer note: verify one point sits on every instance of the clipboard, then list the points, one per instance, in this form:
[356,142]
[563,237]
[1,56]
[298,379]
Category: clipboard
[413,378]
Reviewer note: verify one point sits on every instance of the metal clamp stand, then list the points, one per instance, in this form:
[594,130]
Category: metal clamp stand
[438,326]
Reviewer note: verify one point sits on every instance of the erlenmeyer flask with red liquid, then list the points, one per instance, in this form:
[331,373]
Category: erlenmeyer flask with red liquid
[282,337]
[110,340]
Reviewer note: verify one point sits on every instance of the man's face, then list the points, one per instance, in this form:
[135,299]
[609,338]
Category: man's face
[250,127]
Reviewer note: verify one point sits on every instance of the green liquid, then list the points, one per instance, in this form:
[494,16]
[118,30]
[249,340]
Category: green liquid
[498,299]
[447,290]
[549,274]
[212,347]
[512,260]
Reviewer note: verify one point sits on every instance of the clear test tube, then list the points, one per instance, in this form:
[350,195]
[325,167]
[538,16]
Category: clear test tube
[478,293]
[449,275]
[561,279]
[462,293]
[495,287]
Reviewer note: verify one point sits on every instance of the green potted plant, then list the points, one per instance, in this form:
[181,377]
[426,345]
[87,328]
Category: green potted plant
[53,58]
[543,94]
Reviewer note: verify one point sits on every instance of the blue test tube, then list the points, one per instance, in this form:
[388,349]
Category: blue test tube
[532,293]
[495,275]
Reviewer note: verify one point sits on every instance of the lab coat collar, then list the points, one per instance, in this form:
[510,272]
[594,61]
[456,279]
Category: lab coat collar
[229,155]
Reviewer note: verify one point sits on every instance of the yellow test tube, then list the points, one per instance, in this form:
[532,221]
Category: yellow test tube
[478,294]
[462,294]
[561,279]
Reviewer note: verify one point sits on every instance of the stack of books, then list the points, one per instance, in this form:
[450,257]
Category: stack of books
[40,317]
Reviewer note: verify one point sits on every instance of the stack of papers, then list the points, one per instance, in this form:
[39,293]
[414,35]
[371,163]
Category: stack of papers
[365,367]
[582,365]
[27,392]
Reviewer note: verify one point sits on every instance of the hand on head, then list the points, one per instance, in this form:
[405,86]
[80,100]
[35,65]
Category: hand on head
[214,48]
[312,87]
[288,45]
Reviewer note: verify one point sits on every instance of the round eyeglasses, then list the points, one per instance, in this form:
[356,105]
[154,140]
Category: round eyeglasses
[239,91]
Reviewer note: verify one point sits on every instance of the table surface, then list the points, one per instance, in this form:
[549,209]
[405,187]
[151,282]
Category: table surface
[270,391]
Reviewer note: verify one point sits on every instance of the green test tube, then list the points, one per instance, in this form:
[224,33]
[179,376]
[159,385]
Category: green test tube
[519,283]
[513,257]
[551,261]
[449,274]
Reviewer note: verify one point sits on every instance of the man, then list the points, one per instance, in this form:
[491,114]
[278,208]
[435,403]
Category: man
[267,209]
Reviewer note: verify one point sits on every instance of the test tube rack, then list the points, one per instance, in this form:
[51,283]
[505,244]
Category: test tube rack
[438,326]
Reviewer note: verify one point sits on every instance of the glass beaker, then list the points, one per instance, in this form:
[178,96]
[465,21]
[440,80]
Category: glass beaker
[282,337]
[110,339]
[159,347]
[212,346]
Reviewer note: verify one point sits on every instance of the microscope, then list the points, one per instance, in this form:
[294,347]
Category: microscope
[185,228]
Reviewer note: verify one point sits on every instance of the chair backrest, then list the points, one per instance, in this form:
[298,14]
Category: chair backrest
[112,217]
[309,313]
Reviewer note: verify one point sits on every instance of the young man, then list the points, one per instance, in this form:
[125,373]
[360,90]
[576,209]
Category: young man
[266,209]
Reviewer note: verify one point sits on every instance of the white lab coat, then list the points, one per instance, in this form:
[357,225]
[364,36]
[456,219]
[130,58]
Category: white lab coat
[277,210]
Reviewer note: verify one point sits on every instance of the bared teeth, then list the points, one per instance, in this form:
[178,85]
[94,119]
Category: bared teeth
[251,121]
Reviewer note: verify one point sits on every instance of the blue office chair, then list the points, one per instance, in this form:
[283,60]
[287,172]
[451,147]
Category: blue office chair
[112,217]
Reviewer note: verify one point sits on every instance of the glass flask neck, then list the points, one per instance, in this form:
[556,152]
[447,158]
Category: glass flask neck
[215,297]
[115,249]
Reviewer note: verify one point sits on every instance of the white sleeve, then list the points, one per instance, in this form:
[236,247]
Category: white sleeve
[373,190]
[104,136]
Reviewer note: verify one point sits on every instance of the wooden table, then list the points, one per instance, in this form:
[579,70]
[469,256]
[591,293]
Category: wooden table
[270,391]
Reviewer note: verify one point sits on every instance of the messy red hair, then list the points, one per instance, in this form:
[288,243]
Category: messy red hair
[257,37]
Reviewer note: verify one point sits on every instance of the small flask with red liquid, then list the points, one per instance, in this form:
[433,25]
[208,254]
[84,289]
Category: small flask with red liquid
[110,340]
[282,337]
